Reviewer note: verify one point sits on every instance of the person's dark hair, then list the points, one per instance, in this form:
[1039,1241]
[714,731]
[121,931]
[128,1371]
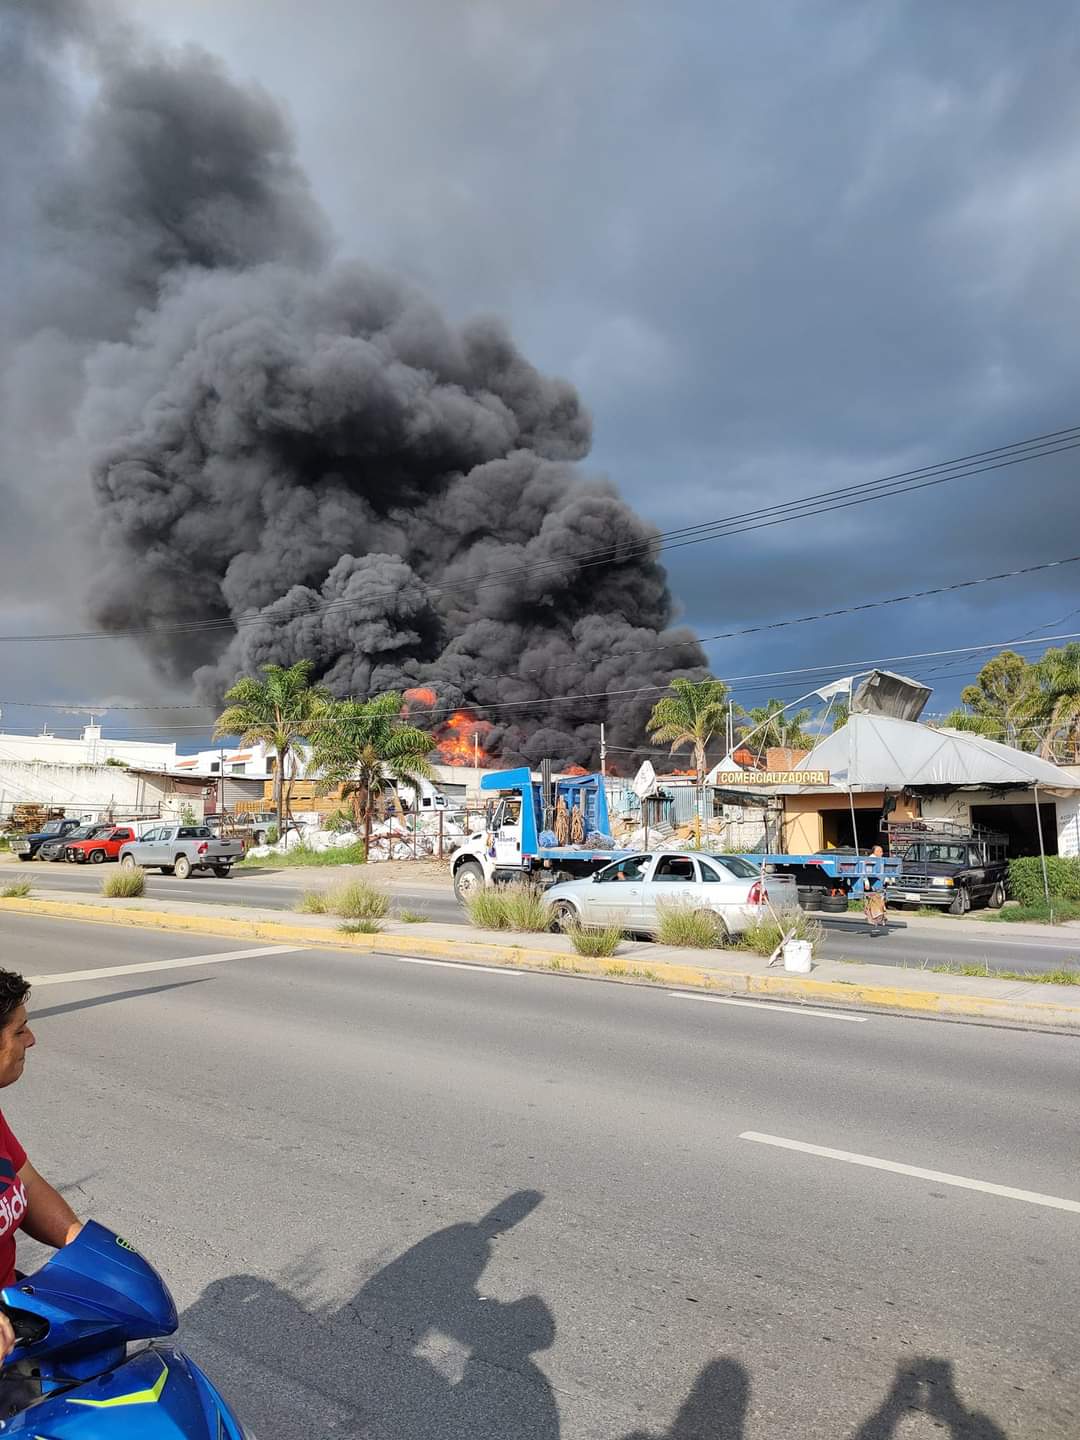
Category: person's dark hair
[14,991]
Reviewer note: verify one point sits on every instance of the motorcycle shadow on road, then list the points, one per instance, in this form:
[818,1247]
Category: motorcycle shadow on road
[422,1353]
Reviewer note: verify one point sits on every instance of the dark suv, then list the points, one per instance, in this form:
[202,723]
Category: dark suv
[55,848]
[951,868]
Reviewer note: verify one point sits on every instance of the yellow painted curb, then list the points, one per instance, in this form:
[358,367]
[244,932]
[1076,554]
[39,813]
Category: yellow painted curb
[779,986]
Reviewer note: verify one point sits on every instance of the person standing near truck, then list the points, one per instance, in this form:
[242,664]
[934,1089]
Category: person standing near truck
[874,906]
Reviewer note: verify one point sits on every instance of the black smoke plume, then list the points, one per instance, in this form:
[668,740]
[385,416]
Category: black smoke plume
[296,457]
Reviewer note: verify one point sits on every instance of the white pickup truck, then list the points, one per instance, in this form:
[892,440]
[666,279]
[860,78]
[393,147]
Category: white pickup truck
[180,849]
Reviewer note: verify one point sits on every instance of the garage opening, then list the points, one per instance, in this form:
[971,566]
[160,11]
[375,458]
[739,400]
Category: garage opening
[836,829]
[1018,824]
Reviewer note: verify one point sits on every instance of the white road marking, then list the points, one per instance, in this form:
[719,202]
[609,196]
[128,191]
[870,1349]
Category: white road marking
[939,1177]
[770,1007]
[183,962]
[452,964]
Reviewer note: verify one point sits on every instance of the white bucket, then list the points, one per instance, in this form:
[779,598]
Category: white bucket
[797,956]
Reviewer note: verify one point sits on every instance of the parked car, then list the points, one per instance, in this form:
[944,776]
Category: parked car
[56,848]
[26,847]
[100,848]
[180,849]
[627,892]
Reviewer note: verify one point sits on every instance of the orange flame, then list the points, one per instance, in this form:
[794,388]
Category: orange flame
[421,695]
[462,740]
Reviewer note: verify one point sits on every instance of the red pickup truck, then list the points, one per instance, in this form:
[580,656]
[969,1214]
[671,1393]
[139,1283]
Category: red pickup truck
[101,847]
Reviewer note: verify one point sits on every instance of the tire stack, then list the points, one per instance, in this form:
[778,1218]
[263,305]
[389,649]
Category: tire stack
[834,904]
[811,896]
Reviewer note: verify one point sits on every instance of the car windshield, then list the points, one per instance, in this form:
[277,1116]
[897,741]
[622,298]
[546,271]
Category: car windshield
[52,828]
[738,865]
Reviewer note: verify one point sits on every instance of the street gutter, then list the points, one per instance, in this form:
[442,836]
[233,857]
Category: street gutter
[986,1000]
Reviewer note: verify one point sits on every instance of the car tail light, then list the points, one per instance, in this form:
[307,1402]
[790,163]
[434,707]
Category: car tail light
[758,893]
[203,848]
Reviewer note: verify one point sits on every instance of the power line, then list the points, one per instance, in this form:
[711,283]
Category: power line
[645,649]
[855,666]
[844,497]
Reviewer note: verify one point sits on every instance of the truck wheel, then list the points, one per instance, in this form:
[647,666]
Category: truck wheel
[997,897]
[97,857]
[468,881]
[26,857]
[182,867]
[961,902]
[223,871]
[564,917]
[129,863]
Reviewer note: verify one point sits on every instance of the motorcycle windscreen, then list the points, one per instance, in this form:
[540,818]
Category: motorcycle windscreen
[99,1279]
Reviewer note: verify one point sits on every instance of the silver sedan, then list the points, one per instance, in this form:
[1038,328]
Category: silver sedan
[627,892]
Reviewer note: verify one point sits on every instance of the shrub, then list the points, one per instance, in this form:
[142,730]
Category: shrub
[5,843]
[339,822]
[509,907]
[1026,878]
[762,936]
[360,927]
[124,884]
[312,902]
[272,836]
[682,924]
[412,917]
[596,941]
[17,890]
[357,900]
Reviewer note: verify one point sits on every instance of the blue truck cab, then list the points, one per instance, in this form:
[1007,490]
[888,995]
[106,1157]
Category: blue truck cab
[519,817]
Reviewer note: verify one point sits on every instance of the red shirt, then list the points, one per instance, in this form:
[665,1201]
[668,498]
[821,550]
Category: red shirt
[12,1199]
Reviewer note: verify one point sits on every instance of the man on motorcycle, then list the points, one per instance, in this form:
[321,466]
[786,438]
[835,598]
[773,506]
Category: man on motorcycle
[27,1201]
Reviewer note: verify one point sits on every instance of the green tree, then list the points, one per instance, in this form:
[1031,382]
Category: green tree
[770,726]
[691,715]
[1001,702]
[1054,702]
[279,711]
[365,745]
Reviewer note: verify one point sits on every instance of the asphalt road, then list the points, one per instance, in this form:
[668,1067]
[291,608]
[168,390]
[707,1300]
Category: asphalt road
[426,1202]
[845,939]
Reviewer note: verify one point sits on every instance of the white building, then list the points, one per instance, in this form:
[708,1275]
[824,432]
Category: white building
[91,748]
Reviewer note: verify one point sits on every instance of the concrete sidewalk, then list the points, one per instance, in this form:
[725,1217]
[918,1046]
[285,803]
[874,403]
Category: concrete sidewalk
[725,972]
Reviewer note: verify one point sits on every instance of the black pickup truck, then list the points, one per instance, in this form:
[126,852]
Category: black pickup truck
[953,869]
[26,847]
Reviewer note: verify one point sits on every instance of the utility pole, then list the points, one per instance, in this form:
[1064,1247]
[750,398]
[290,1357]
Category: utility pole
[603,751]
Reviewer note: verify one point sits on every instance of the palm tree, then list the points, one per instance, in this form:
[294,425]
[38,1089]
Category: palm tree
[1055,699]
[689,717]
[278,711]
[774,729]
[365,745]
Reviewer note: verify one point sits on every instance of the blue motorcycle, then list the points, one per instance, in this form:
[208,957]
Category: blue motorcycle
[72,1375]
